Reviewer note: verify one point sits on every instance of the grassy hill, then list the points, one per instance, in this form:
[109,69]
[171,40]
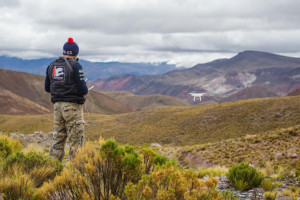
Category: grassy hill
[25,85]
[23,93]
[201,124]
[145,101]
[280,146]
[179,125]
[17,105]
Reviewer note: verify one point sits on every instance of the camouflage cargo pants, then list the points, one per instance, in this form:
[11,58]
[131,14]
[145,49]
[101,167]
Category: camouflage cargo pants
[68,121]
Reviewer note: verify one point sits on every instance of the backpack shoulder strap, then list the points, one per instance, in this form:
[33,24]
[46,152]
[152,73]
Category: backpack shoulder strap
[68,64]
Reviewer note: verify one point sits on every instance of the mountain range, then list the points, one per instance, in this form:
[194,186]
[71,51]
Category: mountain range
[93,70]
[249,74]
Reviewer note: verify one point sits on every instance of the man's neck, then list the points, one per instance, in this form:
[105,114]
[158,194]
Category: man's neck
[73,57]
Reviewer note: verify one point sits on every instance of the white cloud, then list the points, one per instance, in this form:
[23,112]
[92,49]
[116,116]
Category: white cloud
[184,32]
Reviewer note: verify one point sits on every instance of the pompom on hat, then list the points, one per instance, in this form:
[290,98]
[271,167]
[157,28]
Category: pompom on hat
[70,48]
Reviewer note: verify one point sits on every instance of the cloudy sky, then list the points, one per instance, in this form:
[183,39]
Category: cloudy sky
[184,32]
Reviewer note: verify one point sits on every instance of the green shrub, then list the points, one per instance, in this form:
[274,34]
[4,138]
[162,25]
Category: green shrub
[110,149]
[124,165]
[5,149]
[151,159]
[228,196]
[293,188]
[15,158]
[212,171]
[32,160]
[170,182]
[130,149]
[34,165]
[131,167]
[15,144]
[270,195]
[19,187]
[160,159]
[244,177]
[148,159]
[267,185]
[261,163]
[95,174]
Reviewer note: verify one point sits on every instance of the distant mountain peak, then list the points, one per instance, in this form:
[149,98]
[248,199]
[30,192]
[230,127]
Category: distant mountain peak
[257,54]
[251,53]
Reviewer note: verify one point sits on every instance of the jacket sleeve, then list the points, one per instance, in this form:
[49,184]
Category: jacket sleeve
[80,80]
[47,81]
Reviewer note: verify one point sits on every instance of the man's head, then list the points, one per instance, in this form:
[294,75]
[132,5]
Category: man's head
[70,49]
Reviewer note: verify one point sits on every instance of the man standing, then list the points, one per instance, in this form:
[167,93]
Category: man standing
[66,83]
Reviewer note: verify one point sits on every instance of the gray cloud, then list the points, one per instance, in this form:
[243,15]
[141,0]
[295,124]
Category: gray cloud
[10,3]
[184,32]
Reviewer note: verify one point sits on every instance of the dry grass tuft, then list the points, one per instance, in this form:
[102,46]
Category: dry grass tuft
[33,147]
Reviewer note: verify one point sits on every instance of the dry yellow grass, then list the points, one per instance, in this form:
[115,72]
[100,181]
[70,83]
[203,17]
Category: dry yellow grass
[145,101]
[278,148]
[178,125]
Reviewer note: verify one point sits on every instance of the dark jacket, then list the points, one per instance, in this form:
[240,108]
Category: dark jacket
[66,83]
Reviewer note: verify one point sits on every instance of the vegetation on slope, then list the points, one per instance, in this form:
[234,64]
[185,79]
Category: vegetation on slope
[108,171]
[105,170]
[102,171]
[145,101]
[201,124]
[280,147]
[179,125]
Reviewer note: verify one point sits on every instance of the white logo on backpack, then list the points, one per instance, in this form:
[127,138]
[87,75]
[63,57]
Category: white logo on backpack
[58,73]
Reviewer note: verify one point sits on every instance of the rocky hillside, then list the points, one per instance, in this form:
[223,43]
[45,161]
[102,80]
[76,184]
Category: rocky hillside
[295,92]
[219,79]
[257,91]
[23,93]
